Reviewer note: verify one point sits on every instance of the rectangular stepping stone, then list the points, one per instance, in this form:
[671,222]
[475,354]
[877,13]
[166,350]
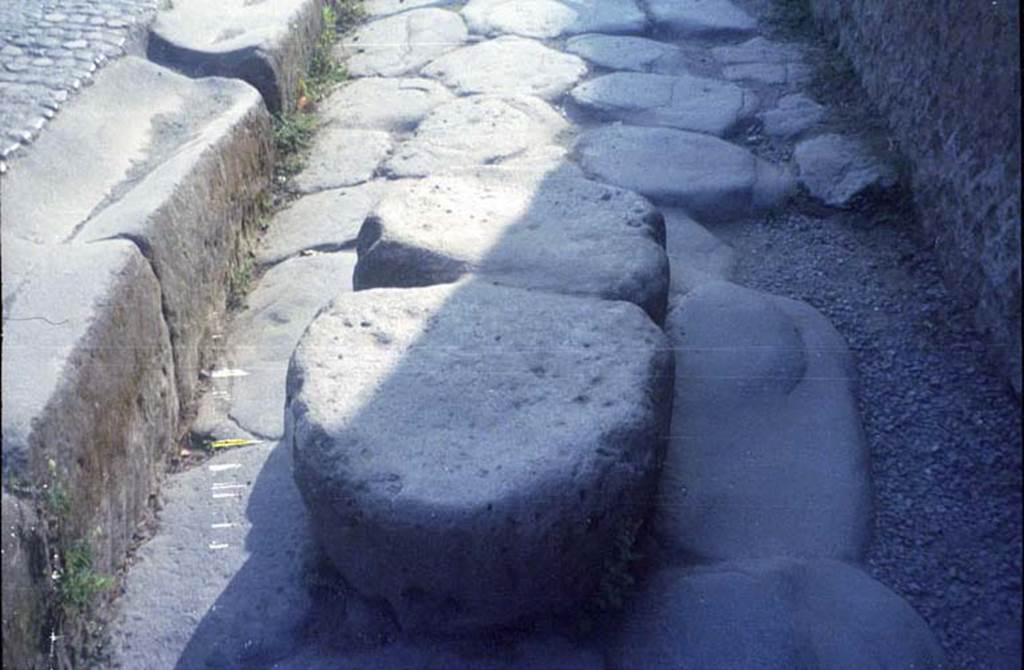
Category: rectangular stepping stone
[706,19]
[792,115]
[342,157]
[623,52]
[548,19]
[267,44]
[469,452]
[401,44]
[508,66]
[376,103]
[767,456]
[476,131]
[772,615]
[710,178]
[528,230]
[682,101]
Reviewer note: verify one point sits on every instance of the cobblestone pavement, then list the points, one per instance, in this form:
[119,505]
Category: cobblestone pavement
[50,49]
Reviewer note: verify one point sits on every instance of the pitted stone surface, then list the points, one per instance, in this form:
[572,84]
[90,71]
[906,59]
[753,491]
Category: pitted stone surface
[401,44]
[476,131]
[837,169]
[48,53]
[496,500]
[527,230]
[276,313]
[767,457]
[380,8]
[792,115]
[711,19]
[710,178]
[376,103]
[508,65]
[772,615]
[623,52]
[324,221]
[547,19]
[342,157]
[682,101]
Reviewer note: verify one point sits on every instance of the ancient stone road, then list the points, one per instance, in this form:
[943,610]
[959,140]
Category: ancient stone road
[516,192]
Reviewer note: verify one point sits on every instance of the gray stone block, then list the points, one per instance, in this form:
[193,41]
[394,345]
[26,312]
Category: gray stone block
[468,452]
[705,19]
[548,19]
[402,43]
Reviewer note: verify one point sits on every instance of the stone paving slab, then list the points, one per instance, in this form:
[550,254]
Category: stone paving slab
[267,44]
[496,501]
[772,615]
[681,101]
[49,51]
[836,169]
[402,43]
[793,115]
[476,131]
[508,66]
[710,178]
[695,254]
[342,157]
[767,456]
[548,19]
[377,103]
[702,19]
[624,52]
[382,8]
[529,230]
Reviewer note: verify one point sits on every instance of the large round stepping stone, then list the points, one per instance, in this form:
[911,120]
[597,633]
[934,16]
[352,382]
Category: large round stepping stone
[683,101]
[475,131]
[547,19]
[387,104]
[767,456]
[380,8]
[837,170]
[402,43]
[709,19]
[508,66]
[470,452]
[709,177]
[342,157]
[526,229]
[772,615]
[623,52]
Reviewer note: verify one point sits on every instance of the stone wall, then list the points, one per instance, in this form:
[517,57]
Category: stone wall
[946,75]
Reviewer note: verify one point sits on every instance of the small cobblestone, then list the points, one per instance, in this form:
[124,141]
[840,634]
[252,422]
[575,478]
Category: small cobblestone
[51,48]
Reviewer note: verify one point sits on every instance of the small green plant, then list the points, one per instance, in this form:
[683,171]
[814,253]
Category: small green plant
[78,583]
[239,282]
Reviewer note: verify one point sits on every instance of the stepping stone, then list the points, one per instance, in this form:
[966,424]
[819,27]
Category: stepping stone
[381,8]
[508,66]
[342,157]
[277,312]
[469,452]
[266,44]
[837,170]
[767,457]
[710,178]
[707,19]
[375,103]
[621,52]
[764,61]
[324,221]
[528,230]
[475,131]
[684,101]
[401,44]
[772,615]
[548,19]
[793,115]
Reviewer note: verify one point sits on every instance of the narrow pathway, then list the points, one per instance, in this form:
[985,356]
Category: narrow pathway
[505,289]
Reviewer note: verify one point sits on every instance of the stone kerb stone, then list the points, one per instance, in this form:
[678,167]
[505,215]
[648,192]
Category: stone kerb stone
[470,452]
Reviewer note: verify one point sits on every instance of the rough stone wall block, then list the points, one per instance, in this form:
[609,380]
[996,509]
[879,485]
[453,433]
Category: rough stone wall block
[947,76]
[267,44]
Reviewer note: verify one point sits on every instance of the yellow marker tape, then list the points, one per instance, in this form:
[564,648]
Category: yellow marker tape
[232,442]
